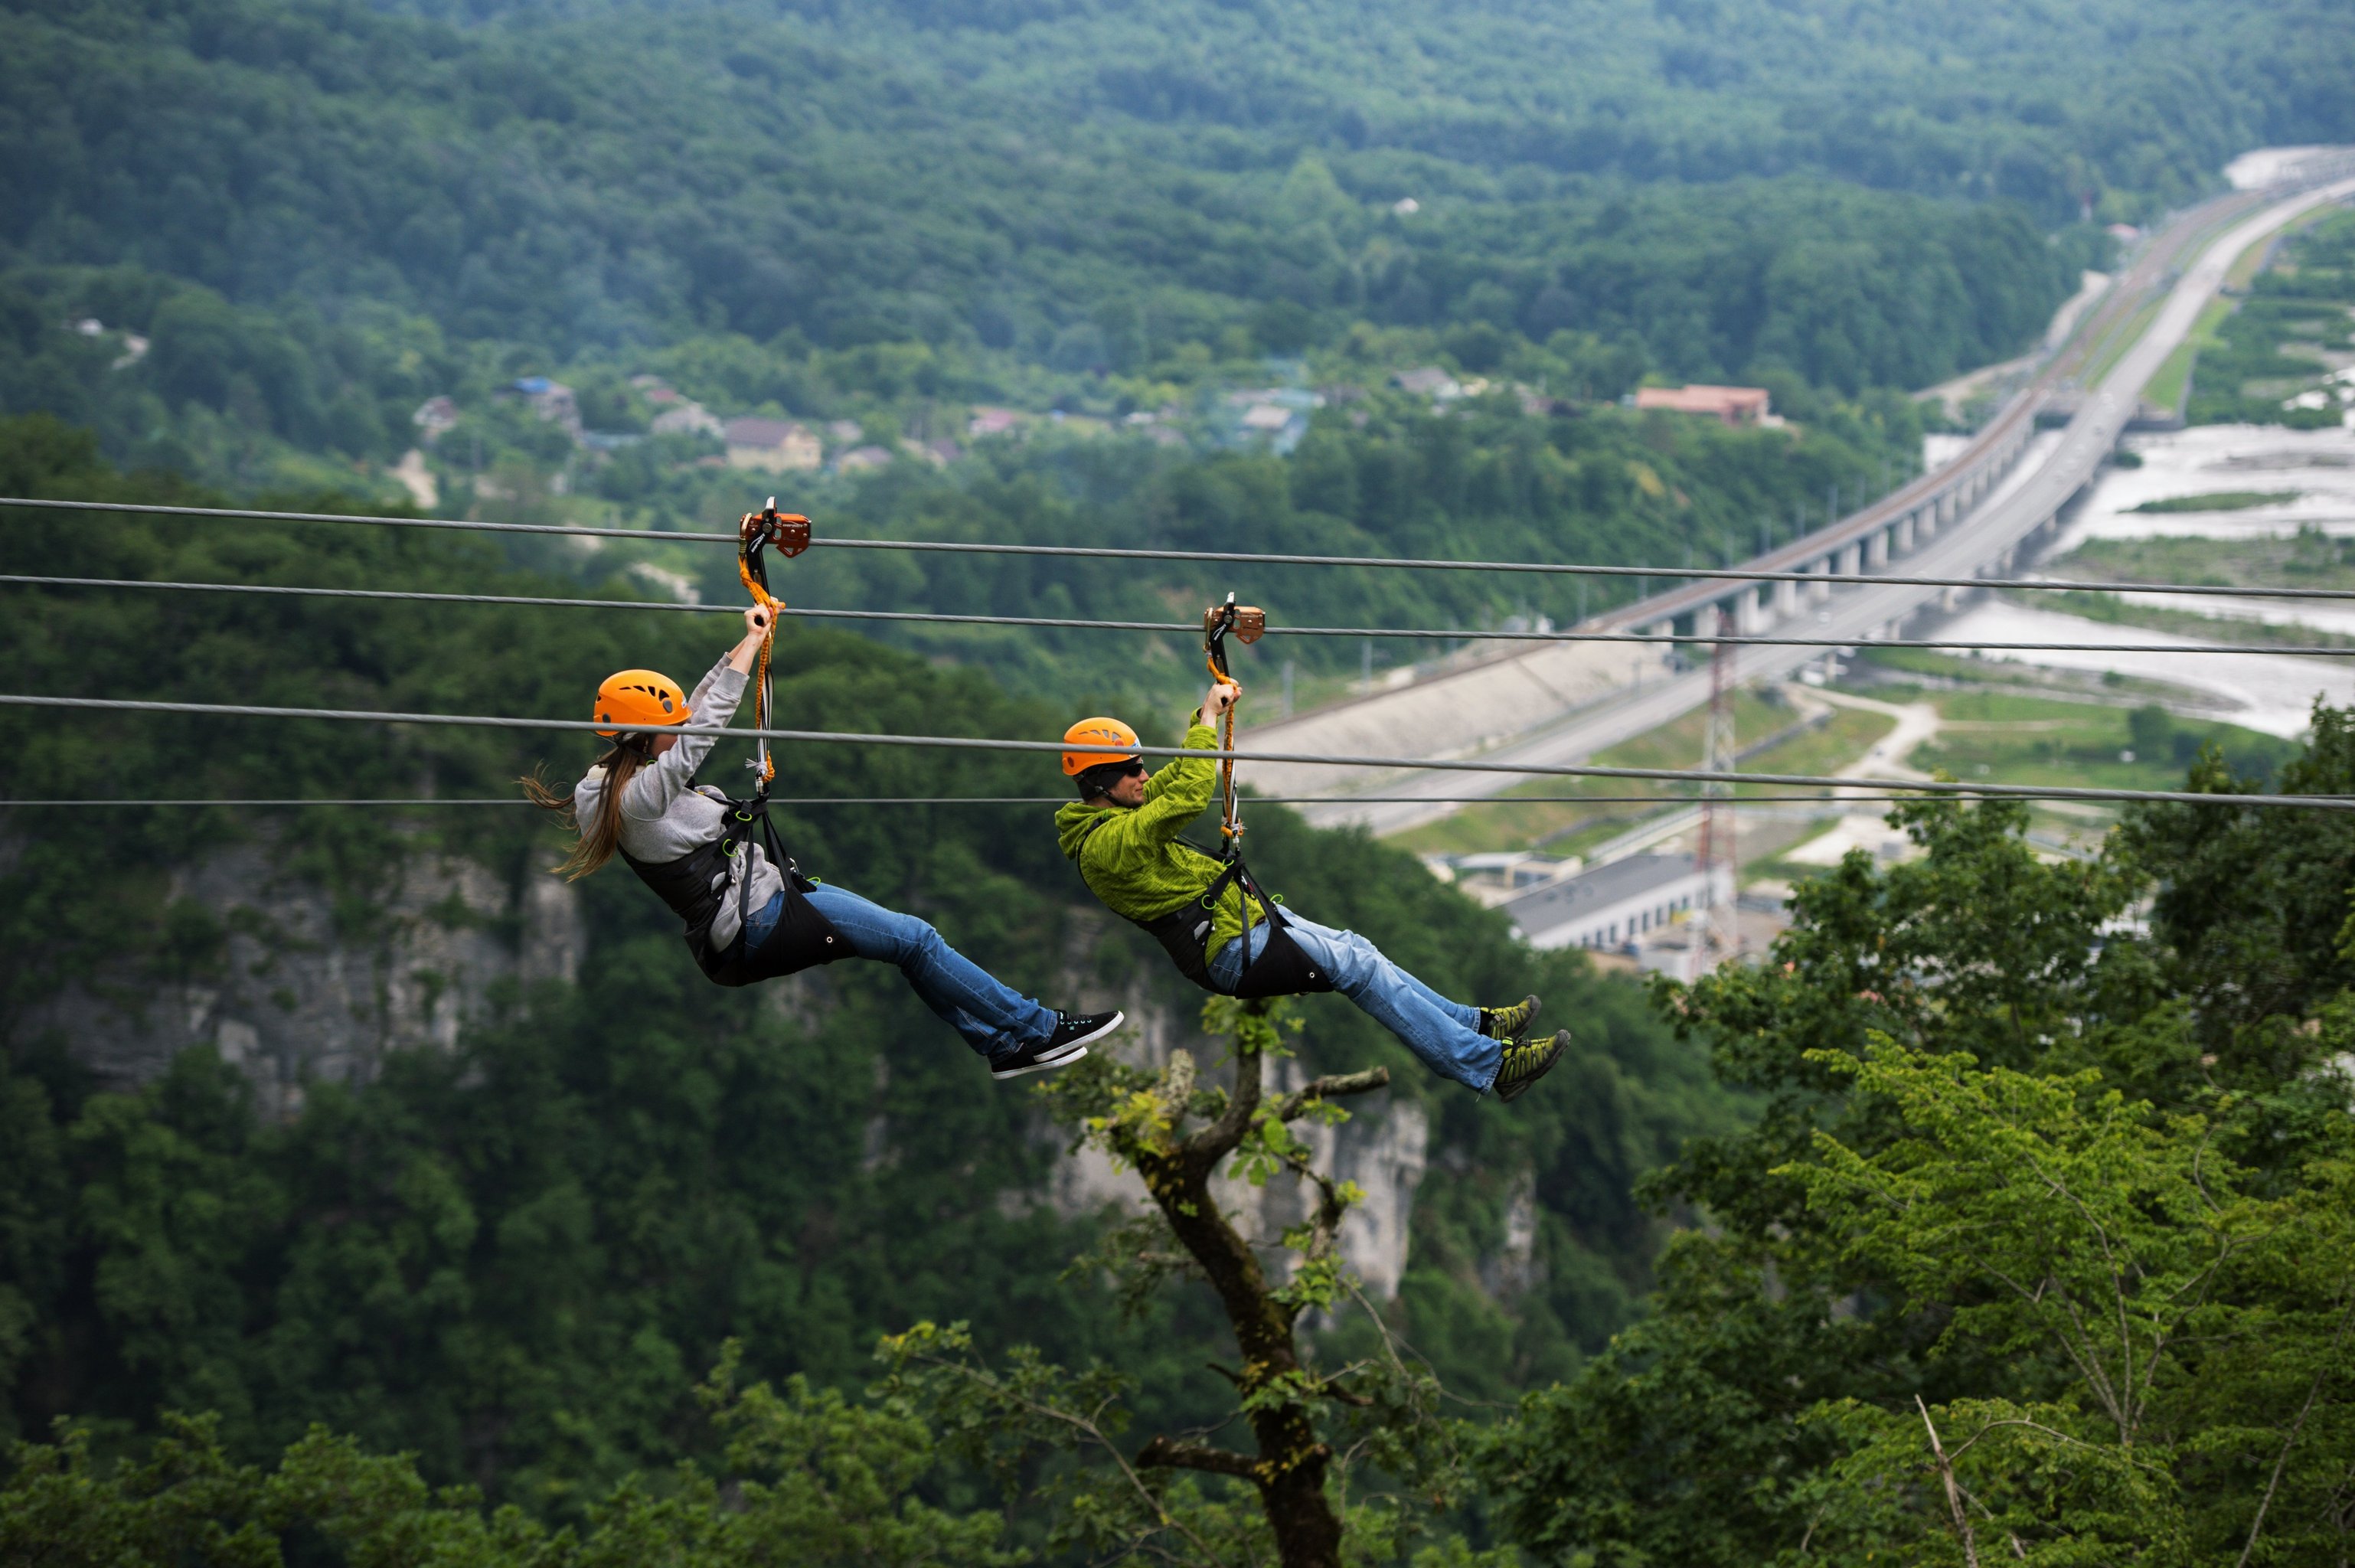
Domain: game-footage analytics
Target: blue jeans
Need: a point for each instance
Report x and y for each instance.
(1445, 1034)
(994, 1021)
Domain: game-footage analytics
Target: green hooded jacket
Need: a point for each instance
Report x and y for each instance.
(1134, 861)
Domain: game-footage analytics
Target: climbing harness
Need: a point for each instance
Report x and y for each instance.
(1281, 969)
(697, 884)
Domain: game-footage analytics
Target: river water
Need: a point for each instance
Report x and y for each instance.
(2319, 464)
(2271, 692)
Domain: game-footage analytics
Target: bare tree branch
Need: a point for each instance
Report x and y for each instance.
(1088, 1429)
(1215, 1142)
(2330, 1364)
(1161, 1454)
(1331, 1087)
(1954, 1491)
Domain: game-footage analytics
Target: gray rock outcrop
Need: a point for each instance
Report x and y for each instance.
(301, 987)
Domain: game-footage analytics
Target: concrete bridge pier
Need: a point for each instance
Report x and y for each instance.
(1877, 548)
(1786, 601)
(1904, 531)
(1819, 591)
(1851, 559)
(1749, 616)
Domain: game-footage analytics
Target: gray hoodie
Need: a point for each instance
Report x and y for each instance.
(664, 816)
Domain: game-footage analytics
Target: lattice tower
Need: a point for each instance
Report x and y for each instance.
(1715, 935)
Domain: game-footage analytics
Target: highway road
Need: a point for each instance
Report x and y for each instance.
(2045, 473)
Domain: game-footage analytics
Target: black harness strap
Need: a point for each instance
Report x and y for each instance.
(695, 884)
(1282, 969)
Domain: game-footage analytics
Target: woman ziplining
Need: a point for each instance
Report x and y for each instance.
(1221, 931)
(751, 914)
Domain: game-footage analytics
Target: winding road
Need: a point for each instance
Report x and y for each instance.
(1559, 704)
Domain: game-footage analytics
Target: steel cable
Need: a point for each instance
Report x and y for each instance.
(1231, 558)
(1741, 800)
(1079, 624)
(983, 743)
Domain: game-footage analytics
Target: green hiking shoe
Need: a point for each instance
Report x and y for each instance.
(1509, 1023)
(1525, 1065)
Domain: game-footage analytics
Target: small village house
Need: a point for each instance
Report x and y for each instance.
(685, 416)
(775, 446)
(1729, 406)
(551, 400)
(434, 417)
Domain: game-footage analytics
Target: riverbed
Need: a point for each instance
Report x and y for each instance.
(2271, 692)
(2319, 465)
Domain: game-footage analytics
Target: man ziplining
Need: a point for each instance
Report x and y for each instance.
(1123, 833)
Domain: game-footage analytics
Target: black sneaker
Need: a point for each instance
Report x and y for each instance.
(1525, 1065)
(1509, 1023)
(1060, 1048)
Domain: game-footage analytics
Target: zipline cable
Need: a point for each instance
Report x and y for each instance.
(1240, 558)
(1067, 622)
(1743, 800)
(983, 743)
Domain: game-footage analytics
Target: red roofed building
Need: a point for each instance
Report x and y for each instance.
(1728, 405)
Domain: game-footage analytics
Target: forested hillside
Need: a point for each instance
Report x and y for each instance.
(515, 1258)
(2036, 1238)
(2002, 1213)
(321, 215)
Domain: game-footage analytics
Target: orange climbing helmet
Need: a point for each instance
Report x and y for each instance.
(1097, 731)
(640, 696)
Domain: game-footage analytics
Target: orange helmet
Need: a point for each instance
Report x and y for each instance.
(640, 696)
(1098, 732)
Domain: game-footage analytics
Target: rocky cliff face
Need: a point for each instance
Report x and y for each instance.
(1383, 1148)
(299, 990)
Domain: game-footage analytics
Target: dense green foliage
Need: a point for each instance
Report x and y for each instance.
(805, 1476)
(2079, 1193)
(512, 1259)
(320, 215)
(884, 178)
(242, 242)
(2042, 1248)
(1024, 174)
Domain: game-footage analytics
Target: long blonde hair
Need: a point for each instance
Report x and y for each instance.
(602, 834)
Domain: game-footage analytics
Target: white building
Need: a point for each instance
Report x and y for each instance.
(1613, 905)
(433, 418)
(1501, 876)
(682, 416)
